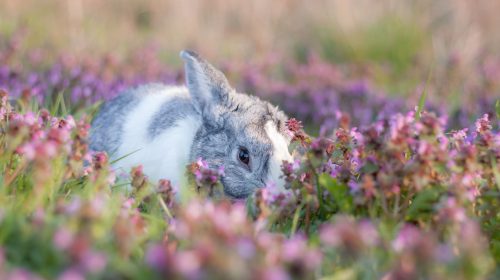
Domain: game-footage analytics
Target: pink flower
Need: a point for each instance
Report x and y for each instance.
(27, 150)
(483, 124)
(275, 273)
(73, 206)
(273, 194)
(220, 170)
(99, 160)
(294, 248)
(312, 258)
(187, 263)
(94, 262)
(356, 136)
(201, 163)
(424, 148)
(289, 168)
(30, 118)
(59, 135)
(460, 134)
(328, 235)
(205, 176)
(452, 211)
(407, 237)
(21, 274)
(2, 257)
(46, 150)
(63, 239)
(368, 232)
(71, 274)
(293, 125)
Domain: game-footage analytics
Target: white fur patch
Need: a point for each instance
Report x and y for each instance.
(165, 156)
(280, 153)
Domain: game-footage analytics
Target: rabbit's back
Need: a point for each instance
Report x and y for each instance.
(151, 125)
(107, 126)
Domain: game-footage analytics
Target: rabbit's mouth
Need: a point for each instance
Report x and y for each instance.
(237, 198)
(236, 192)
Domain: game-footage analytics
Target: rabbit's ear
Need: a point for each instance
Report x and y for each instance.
(207, 85)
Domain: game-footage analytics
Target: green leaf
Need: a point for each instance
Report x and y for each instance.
(341, 274)
(340, 192)
(496, 173)
(423, 203)
(497, 108)
(369, 168)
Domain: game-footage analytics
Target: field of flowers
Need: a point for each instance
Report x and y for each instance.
(386, 187)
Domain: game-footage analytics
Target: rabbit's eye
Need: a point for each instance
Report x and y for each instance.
(244, 155)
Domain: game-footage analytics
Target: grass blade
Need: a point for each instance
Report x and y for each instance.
(122, 157)
(423, 96)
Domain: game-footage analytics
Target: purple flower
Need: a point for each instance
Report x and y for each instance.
(156, 257)
(332, 168)
(71, 274)
(246, 248)
(205, 176)
(354, 187)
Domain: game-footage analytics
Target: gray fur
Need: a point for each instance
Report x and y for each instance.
(106, 129)
(170, 112)
(241, 124)
(200, 75)
(230, 120)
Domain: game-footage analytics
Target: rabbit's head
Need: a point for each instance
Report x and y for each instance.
(245, 135)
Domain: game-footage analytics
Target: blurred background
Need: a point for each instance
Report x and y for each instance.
(392, 31)
(358, 30)
(448, 47)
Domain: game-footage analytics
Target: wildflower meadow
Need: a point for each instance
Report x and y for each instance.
(383, 186)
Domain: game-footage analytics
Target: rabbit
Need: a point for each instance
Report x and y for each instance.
(164, 128)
